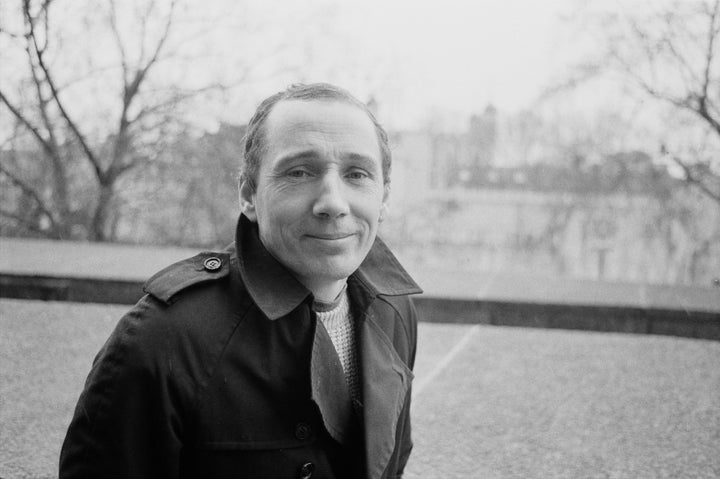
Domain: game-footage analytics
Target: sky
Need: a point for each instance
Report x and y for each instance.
(460, 55)
(422, 61)
(421, 58)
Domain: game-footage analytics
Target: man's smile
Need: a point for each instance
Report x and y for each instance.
(330, 236)
(335, 241)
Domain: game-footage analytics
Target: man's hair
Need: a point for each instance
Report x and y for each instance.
(256, 134)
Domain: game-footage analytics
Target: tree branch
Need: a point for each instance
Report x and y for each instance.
(689, 74)
(29, 191)
(26, 222)
(697, 99)
(175, 99)
(710, 52)
(118, 40)
(673, 32)
(36, 133)
(42, 102)
(646, 46)
(130, 92)
(703, 109)
(56, 97)
(691, 178)
(132, 89)
(691, 103)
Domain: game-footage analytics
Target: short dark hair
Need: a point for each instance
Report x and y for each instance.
(255, 135)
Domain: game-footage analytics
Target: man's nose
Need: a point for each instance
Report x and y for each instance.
(331, 201)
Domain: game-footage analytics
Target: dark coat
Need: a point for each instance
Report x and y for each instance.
(220, 371)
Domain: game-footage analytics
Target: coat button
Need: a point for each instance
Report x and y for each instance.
(306, 471)
(212, 263)
(303, 431)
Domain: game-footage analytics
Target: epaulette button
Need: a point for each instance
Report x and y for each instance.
(213, 263)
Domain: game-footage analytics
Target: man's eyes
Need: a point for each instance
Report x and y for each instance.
(357, 174)
(354, 174)
(298, 173)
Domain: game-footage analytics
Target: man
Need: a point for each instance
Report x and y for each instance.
(288, 355)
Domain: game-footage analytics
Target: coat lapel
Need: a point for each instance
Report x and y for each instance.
(386, 381)
(329, 387)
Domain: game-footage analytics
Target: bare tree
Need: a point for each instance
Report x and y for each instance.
(671, 52)
(85, 160)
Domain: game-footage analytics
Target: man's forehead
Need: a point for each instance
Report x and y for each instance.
(338, 119)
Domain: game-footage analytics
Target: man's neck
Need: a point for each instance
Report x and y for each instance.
(324, 291)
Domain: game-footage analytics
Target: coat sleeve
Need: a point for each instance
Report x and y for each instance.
(126, 422)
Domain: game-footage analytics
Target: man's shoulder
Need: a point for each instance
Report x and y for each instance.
(203, 268)
(189, 302)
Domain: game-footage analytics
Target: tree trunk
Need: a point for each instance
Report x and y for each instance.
(99, 230)
(60, 198)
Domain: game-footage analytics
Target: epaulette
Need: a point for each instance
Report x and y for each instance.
(204, 267)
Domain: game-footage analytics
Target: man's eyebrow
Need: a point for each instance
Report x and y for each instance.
(291, 156)
(366, 161)
(359, 157)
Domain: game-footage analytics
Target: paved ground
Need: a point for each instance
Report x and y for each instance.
(523, 403)
(489, 402)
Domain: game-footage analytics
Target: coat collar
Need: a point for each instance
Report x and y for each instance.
(276, 291)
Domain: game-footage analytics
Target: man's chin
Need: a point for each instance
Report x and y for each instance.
(336, 270)
(331, 247)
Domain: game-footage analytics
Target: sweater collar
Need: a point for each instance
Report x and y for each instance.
(276, 291)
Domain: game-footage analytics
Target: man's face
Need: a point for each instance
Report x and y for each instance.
(319, 191)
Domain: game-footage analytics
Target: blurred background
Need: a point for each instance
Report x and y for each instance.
(562, 138)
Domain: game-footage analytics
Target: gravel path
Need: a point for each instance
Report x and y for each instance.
(492, 402)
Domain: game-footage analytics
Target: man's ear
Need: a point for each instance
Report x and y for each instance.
(383, 212)
(247, 201)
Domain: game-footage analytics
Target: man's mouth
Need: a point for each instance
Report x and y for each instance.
(330, 236)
